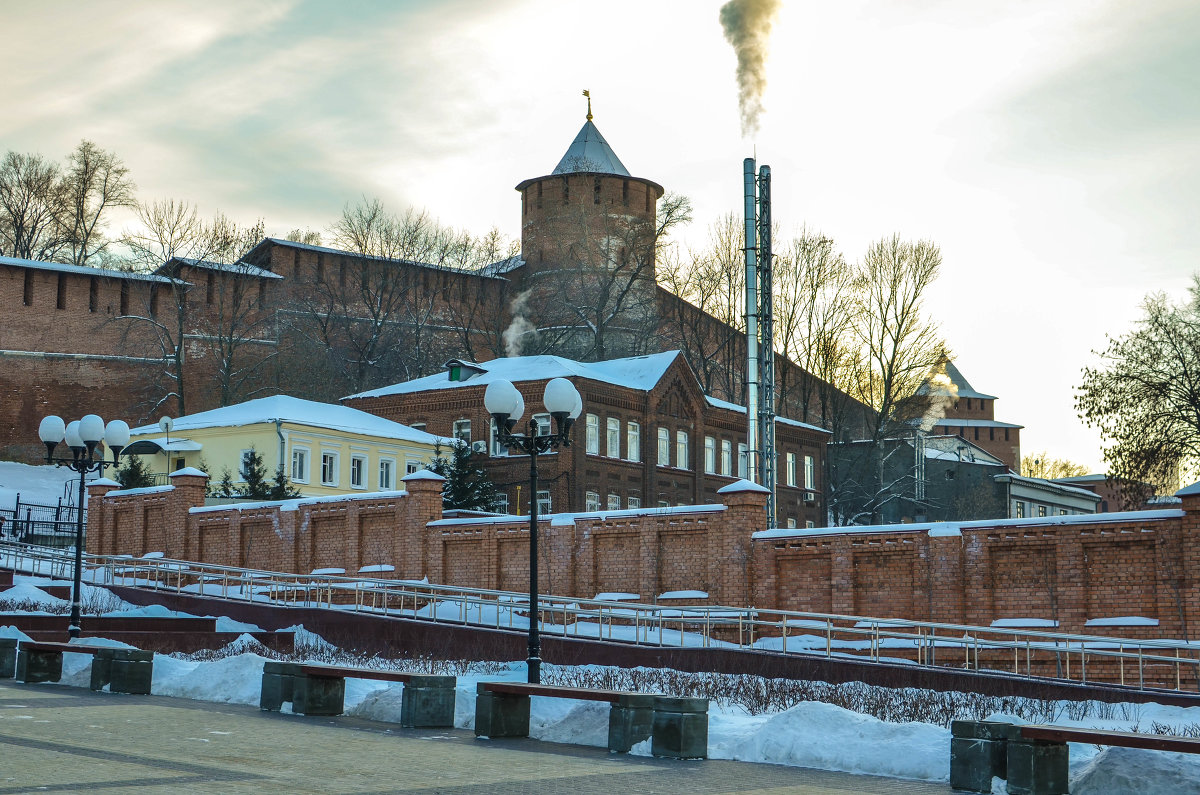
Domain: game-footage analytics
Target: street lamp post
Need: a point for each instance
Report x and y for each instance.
(505, 404)
(82, 437)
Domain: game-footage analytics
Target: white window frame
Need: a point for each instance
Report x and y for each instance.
(791, 523)
(664, 446)
(462, 430)
(710, 455)
(743, 455)
(591, 501)
(810, 473)
(544, 504)
(300, 475)
(412, 465)
(612, 437)
(501, 505)
(390, 465)
(361, 460)
(791, 471)
(592, 435)
(242, 463)
(336, 458)
(681, 449)
(614, 502)
(544, 421)
(497, 450)
(726, 457)
(633, 502)
(633, 441)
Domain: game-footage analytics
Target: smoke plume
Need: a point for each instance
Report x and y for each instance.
(747, 25)
(519, 327)
(942, 394)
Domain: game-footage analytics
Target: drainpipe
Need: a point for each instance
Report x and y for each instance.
(282, 442)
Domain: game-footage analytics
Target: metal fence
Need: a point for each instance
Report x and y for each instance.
(1144, 663)
(39, 523)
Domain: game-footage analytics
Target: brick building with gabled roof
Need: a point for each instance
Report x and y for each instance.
(648, 436)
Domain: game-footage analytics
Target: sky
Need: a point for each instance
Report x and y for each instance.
(1048, 148)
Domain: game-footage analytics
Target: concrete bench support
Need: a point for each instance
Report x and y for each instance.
(277, 682)
(630, 721)
(318, 695)
(38, 666)
(132, 671)
(978, 753)
(680, 728)
(428, 702)
(1037, 767)
(8, 658)
(500, 714)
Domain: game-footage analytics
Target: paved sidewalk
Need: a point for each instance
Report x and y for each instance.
(67, 739)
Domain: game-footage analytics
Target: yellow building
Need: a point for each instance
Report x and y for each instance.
(326, 449)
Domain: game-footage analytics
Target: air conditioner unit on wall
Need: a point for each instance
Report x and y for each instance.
(479, 447)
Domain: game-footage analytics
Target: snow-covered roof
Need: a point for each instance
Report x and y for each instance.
(590, 153)
(160, 444)
(1093, 478)
(741, 485)
(242, 268)
(506, 265)
(634, 372)
(300, 412)
(724, 404)
(83, 270)
(1048, 485)
(1189, 491)
(276, 241)
(950, 422)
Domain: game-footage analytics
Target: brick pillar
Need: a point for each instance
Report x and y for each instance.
(1071, 584)
(1189, 544)
(422, 506)
(729, 563)
(841, 577)
(190, 484)
(947, 587)
(978, 599)
(99, 526)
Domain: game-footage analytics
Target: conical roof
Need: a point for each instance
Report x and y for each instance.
(590, 153)
(962, 387)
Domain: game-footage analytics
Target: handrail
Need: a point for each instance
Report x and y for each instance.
(831, 635)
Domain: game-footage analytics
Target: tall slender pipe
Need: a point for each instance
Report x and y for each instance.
(752, 374)
(766, 322)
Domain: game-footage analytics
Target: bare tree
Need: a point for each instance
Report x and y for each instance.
(599, 300)
(1042, 465)
(31, 207)
(379, 313)
(94, 182)
(172, 234)
(1144, 397)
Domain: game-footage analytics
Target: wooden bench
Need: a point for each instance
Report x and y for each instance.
(426, 702)
(1034, 758)
(122, 670)
(677, 727)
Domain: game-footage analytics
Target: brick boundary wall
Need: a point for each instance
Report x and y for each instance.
(1072, 570)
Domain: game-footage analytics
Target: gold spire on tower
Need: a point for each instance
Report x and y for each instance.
(587, 94)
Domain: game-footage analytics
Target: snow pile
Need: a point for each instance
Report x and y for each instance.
(824, 736)
(28, 593)
(9, 631)
(226, 624)
(230, 680)
(43, 485)
(1117, 771)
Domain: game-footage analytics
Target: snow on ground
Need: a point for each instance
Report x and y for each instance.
(809, 734)
(38, 484)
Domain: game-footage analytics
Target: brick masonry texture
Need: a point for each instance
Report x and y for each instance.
(1069, 573)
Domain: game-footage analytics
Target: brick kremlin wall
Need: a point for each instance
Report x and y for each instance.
(1072, 570)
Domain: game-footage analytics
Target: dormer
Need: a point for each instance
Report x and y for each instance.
(460, 370)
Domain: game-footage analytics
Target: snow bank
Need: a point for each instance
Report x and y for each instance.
(231, 680)
(1117, 771)
(828, 737)
(226, 624)
(38, 484)
(27, 592)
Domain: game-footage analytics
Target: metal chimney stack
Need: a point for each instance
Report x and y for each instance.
(760, 348)
(752, 366)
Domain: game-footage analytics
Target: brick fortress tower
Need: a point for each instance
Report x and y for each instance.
(588, 239)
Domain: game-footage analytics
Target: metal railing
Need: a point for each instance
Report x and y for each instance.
(1055, 656)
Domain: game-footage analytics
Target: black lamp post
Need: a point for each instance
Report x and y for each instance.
(82, 437)
(506, 406)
